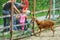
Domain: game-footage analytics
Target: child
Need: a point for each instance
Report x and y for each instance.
(26, 6)
(25, 9)
(22, 17)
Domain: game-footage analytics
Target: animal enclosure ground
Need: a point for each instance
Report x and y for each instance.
(46, 35)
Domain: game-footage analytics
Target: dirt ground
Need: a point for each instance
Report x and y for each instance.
(46, 35)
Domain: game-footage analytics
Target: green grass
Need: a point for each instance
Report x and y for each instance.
(1, 21)
(41, 14)
(1, 38)
(7, 36)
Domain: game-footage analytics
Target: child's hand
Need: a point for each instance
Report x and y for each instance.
(27, 16)
(17, 16)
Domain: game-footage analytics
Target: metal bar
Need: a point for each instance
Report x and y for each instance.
(35, 12)
(16, 25)
(54, 9)
(46, 10)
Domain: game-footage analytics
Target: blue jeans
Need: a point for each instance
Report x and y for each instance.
(14, 23)
(7, 20)
(19, 27)
(17, 22)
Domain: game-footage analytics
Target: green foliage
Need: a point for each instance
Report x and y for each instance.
(1, 3)
(7, 36)
(40, 5)
(57, 2)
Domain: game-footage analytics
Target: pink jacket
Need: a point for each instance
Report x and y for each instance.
(22, 18)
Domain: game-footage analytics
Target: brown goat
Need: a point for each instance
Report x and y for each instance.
(45, 24)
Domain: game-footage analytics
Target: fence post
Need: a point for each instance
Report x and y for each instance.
(50, 9)
(11, 19)
(34, 4)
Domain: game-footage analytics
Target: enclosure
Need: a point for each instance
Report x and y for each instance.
(42, 10)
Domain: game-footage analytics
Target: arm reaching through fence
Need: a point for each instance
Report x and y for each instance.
(16, 9)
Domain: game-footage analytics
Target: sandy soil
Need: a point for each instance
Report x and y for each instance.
(46, 35)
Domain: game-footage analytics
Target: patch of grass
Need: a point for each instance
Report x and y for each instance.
(1, 38)
(41, 14)
(7, 35)
(1, 21)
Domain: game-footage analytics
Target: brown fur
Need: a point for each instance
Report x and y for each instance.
(45, 24)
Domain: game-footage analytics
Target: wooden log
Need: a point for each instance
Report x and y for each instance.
(11, 19)
(49, 10)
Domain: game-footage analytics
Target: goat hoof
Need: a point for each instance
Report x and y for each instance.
(52, 35)
(37, 35)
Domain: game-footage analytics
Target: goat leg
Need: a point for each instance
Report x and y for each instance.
(53, 30)
(40, 32)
